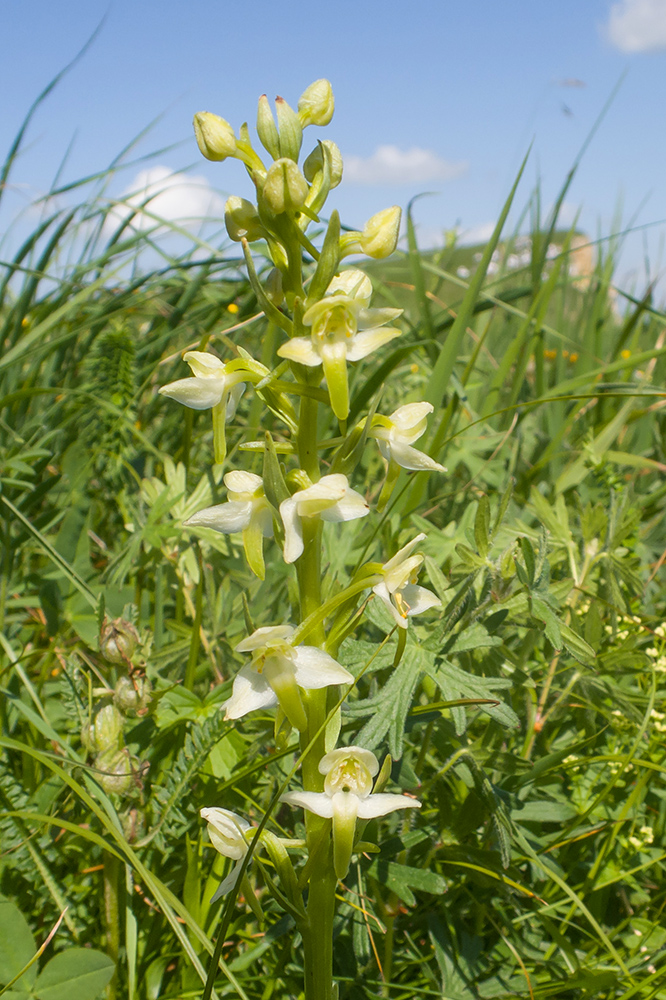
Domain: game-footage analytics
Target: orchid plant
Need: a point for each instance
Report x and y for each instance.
(323, 310)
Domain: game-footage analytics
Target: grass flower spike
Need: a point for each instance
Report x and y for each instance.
(347, 796)
(277, 671)
(247, 510)
(395, 435)
(399, 590)
(343, 329)
(331, 498)
(227, 835)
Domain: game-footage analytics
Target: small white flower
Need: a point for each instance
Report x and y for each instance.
(396, 434)
(247, 510)
(399, 590)
(347, 796)
(331, 498)
(277, 671)
(227, 835)
(343, 329)
(212, 383)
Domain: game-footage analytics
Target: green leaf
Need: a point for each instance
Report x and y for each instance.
(545, 614)
(401, 879)
(77, 972)
(17, 945)
(455, 683)
(274, 484)
(576, 645)
(482, 526)
(390, 707)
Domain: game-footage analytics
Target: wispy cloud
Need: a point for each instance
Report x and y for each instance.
(162, 194)
(637, 25)
(392, 165)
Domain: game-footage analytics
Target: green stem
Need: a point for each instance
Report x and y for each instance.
(307, 437)
(318, 939)
(112, 867)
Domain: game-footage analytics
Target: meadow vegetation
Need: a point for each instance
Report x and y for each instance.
(528, 713)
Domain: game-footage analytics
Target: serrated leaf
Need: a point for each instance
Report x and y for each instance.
(529, 559)
(545, 614)
(455, 682)
(577, 646)
(401, 879)
(476, 636)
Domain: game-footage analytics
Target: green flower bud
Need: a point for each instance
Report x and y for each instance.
(116, 771)
(132, 694)
(118, 641)
(316, 104)
(215, 136)
(380, 233)
(273, 287)
(285, 188)
(266, 128)
(106, 731)
(314, 162)
(290, 129)
(242, 220)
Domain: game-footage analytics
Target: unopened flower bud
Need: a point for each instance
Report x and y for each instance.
(132, 694)
(285, 188)
(316, 104)
(242, 220)
(115, 771)
(290, 129)
(380, 233)
(215, 136)
(266, 128)
(273, 287)
(118, 641)
(314, 163)
(106, 731)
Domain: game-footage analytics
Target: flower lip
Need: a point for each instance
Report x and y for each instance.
(349, 770)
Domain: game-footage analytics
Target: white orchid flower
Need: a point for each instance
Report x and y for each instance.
(398, 589)
(215, 385)
(277, 671)
(227, 835)
(396, 433)
(331, 499)
(343, 329)
(347, 796)
(247, 510)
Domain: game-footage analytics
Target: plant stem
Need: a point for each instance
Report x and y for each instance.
(112, 917)
(319, 938)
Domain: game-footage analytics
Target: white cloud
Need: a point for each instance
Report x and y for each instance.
(637, 25)
(392, 165)
(477, 234)
(182, 199)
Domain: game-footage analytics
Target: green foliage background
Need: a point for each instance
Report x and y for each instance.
(528, 715)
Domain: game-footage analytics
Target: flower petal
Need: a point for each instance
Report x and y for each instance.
(411, 458)
(239, 481)
(410, 420)
(365, 757)
(418, 599)
(402, 553)
(204, 364)
(348, 508)
(316, 802)
(383, 803)
(364, 343)
(264, 636)
(235, 394)
(300, 349)
(334, 360)
(293, 531)
(381, 590)
(226, 517)
(316, 669)
(370, 318)
(197, 393)
(228, 883)
(352, 282)
(250, 691)
(345, 810)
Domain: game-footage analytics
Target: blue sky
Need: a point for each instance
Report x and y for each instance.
(440, 96)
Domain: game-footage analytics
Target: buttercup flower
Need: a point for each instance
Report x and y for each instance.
(399, 591)
(331, 499)
(247, 510)
(277, 671)
(395, 435)
(215, 385)
(343, 329)
(227, 835)
(347, 796)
